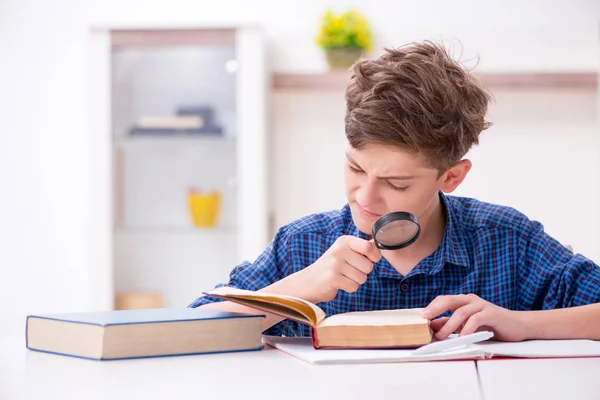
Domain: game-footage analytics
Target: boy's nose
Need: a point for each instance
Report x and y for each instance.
(367, 195)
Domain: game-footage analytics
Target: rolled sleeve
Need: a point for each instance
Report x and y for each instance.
(577, 285)
(553, 277)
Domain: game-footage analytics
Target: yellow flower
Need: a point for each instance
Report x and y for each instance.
(347, 30)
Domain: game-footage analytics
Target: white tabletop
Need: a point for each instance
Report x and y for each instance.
(266, 374)
(568, 378)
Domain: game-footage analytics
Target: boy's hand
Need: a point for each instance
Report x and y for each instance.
(344, 265)
(471, 314)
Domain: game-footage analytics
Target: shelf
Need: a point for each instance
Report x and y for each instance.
(566, 80)
(314, 81)
(172, 37)
(175, 231)
(338, 80)
(174, 138)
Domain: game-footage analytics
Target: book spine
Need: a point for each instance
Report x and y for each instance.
(313, 335)
(27, 332)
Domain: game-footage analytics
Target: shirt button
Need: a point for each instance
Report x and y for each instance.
(404, 287)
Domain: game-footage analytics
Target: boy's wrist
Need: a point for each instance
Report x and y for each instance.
(540, 324)
(527, 321)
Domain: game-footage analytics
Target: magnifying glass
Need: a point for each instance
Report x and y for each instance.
(396, 230)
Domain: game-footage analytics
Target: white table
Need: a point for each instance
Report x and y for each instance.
(546, 379)
(267, 374)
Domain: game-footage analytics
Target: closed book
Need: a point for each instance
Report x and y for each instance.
(123, 334)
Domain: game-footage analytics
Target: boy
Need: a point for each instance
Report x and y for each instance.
(411, 116)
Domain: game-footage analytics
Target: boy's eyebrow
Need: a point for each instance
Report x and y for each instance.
(404, 177)
(351, 160)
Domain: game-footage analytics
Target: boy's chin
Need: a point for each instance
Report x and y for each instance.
(363, 226)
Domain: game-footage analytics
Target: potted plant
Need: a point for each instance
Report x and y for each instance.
(344, 38)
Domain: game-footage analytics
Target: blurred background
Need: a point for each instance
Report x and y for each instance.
(150, 146)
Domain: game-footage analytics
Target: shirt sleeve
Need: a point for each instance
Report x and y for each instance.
(551, 276)
(269, 267)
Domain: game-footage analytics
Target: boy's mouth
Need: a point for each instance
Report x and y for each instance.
(366, 213)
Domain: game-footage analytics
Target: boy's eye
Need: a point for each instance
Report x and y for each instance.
(397, 188)
(353, 169)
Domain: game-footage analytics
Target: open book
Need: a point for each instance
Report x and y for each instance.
(360, 329)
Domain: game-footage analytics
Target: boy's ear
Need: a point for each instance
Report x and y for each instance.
(455, 175)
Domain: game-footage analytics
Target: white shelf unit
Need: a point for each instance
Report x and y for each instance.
(143, 237)
(152, 176)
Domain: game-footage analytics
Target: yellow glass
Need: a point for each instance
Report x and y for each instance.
(204, 208)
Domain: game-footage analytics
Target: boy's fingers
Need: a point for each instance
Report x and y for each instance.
(360, 262)
(441, 304)
(365, 247)
(458, 318)
(348, 285)
(355, 274)
(437, 324)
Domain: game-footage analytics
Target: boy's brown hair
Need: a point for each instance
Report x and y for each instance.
(419, 99)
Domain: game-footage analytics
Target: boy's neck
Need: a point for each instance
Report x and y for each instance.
(433, 226)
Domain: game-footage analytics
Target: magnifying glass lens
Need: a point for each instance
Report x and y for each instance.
(396, 230)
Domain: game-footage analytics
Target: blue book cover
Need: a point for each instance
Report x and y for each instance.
(153, 333)
(153, 315)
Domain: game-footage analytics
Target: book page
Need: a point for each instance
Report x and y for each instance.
(376, 318)
(288, 306)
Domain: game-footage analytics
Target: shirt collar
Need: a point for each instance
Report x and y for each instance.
(453, 248)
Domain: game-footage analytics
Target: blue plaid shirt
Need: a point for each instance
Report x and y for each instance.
(492, 251)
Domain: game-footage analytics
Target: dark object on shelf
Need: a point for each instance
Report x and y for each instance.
(206, 112)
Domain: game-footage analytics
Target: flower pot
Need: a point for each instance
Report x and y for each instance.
(342, 58)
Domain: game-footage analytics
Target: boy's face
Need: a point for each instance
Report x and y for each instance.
(380, 180)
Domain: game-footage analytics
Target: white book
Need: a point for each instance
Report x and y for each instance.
(303, 349)
(170, 122)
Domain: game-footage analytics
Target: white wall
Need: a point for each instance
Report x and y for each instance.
(507, 34)
(543, 158)
(44, 202)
